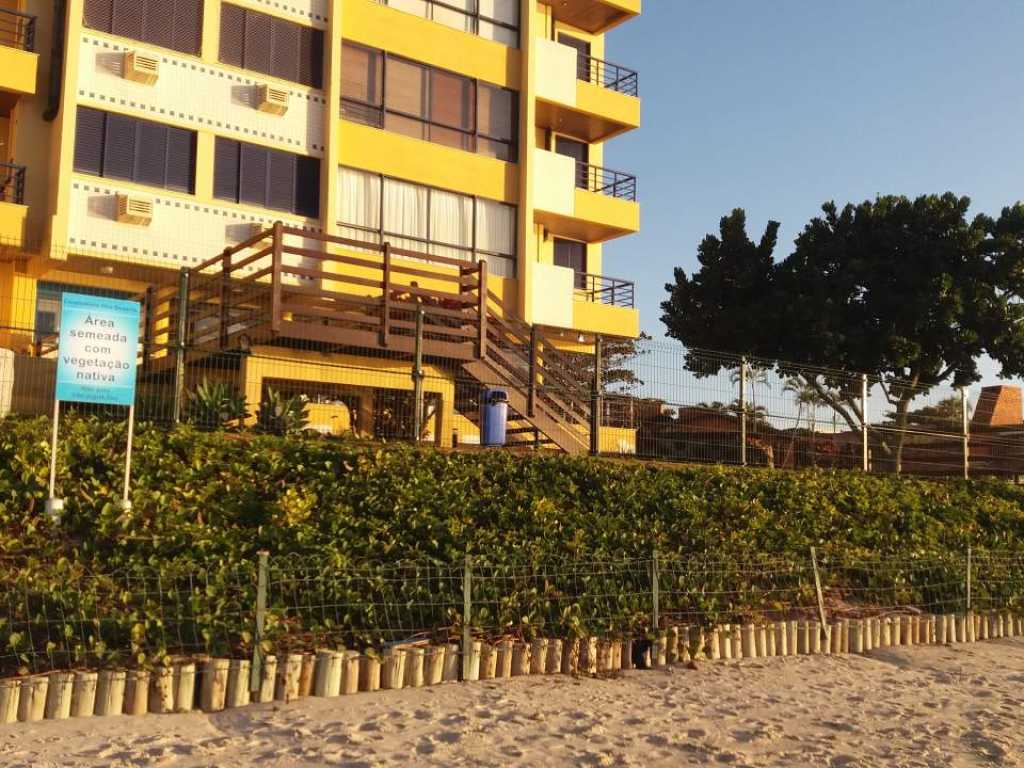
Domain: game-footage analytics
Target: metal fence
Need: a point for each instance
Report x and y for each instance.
(351, 357)
(58, 615)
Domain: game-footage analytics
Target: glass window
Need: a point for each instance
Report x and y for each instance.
(406, 88)
(451, 224)
(406, 214)
(359, 199)
(361, 74)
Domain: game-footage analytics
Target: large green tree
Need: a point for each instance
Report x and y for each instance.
(910, 292)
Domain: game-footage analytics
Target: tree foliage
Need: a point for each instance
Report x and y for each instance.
(910, 292)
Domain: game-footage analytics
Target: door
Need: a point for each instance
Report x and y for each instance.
(573, 254)
(578, 151)
(582, 55)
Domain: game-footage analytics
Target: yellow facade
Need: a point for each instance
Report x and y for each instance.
(64, 227)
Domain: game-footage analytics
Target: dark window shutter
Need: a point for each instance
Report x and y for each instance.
(98, 14)
(284, 50)
(129, 19)
(257, 42)
(232, 34)
(307, 186)
(150, 154)
(252, 175)
(188, 26)
(181, 160)
(225, 169)
(311, 57)
(159, 22)
(89, 140)
(281, 181)
(119, 147)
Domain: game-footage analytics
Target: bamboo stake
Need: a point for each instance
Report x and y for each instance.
(161, 695)
(136, 692)
(110, 693)
(238, 694)
(10, 690)
(58, 696)
(414, 665)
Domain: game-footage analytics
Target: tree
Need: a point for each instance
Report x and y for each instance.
(908, 292)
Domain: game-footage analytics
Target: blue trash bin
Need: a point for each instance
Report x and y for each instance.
(493, 416)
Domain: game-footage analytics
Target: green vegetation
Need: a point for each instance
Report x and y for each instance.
(204, 504)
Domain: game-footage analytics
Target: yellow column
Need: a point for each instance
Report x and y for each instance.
(211, 31)
(527, 239)
(332, 109)
(63, 137)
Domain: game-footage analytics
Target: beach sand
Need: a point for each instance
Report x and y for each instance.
(934, 706)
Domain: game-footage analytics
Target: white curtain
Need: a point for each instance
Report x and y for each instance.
(451, 224)
(495, 233)
(419, 7)
(405, 213)
(504, 11)
(359, 204)
(461, 19)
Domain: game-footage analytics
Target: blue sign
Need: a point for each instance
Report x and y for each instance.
(99, 341)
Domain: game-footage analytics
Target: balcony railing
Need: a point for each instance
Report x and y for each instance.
(598, 289)
(607, 75)
(605, 181)
(12, 183)
(17, 30)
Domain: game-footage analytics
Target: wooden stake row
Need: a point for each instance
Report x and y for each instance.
(212, 685)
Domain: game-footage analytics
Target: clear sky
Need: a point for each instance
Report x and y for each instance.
(776, 106)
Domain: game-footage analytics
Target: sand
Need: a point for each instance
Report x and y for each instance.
(931, 706)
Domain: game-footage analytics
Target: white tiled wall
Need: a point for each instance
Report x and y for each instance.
(194, 95)
(182, 233)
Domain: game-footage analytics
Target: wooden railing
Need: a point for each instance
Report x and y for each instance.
(287, 283)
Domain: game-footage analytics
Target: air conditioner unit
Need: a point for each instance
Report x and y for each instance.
(271, 99)
(141, 67)
(132, 209)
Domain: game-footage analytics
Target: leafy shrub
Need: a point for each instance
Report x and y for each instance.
(281, 414)
(215, 404)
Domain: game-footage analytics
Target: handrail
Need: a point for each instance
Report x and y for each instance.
(605, 181)
(17, 29)
(600, 289)
(605, 74)
(12, 183)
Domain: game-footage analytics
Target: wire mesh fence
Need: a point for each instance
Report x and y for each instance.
(348, 356)
(64, 617)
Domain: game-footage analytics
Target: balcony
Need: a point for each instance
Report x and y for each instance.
(18, 60)
(593, 16)
(13, 210)
(583, 96)
(583, 202)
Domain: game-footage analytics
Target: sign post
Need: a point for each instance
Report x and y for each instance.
(96, 361)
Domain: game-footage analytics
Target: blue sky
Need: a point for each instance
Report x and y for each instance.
(778, 106)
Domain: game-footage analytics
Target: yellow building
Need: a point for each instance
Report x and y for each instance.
(285, 185)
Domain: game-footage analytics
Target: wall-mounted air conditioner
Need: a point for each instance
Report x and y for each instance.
(134, 209)
(141, 67)
(271, 100)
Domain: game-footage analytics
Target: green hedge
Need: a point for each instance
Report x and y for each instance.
(206, 502)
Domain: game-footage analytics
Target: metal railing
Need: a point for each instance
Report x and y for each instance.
(17, 30)
(605, 181)
(605, 74)
(12, 183)
(599, 289)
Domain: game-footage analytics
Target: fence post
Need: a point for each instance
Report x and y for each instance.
(417, 376)
(865, 462)
(182, 330)
(467, 612)
(256, 670)
(655, 590)
(968, 579)
(532, 392)
(817, 588)
(385, 286)
(966, 431)
(595, 398)
(743, 411)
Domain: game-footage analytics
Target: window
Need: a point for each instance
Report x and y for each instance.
(426, 103)
(273, 46)
(268, 178)
(175, 24)
(496, 20)
(121, 147)
(571, 254)
(578, 151)
(414, 217)
(582, 55)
